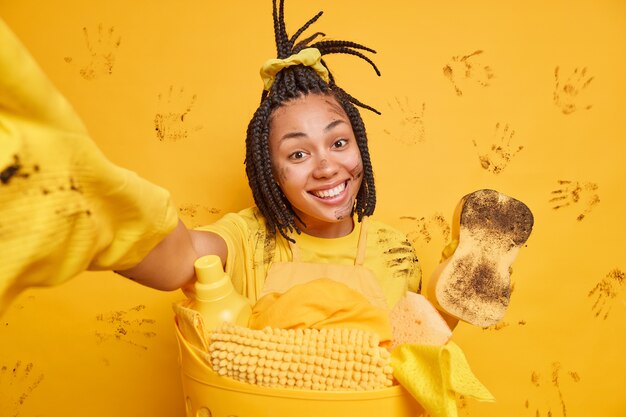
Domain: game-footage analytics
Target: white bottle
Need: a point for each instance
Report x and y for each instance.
(216, 299)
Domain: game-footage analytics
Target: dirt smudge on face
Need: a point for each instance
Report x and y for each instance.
(283, 174)
(336, 108)
(357, 171)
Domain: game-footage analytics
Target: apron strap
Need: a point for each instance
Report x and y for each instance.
(362, 245)
(295, 251)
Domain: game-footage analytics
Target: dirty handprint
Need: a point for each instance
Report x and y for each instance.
(101, 52)
(572, 193)
(17, 383)
(408, 124)
(464, 72)
(606, 292)
(501, 151)
(548, 399)
(170, 122)
(126, 327)
(567, 93)
(424, 228)
(197, 214)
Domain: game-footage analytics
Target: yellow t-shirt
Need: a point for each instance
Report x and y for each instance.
(252, 250)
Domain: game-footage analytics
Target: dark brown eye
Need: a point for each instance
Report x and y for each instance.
(297, 155)
(340, 143)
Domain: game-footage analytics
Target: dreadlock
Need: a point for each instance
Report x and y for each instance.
(289, 84)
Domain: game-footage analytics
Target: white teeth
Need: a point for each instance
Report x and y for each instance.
(332, 192)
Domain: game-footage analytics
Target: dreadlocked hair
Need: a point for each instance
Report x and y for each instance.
(291, 83)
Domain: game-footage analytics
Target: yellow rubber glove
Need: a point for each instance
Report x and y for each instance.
(64, 207)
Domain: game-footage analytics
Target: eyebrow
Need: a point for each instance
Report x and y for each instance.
(330, 126)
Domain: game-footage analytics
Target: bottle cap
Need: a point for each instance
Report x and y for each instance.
(209, 269)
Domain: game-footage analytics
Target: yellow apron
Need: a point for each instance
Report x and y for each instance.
(282, 276)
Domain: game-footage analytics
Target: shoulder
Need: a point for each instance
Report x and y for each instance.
(240, 230)
(390, 241)
(385, 234)
(246, 235)
(251, 215)
(247, 220)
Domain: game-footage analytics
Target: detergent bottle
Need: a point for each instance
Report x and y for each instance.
(216, 299)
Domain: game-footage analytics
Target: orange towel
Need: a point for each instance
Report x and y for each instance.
(318, 304)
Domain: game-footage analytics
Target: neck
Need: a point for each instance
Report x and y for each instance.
(328, 230)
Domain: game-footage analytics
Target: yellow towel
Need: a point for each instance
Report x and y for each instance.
(435, 374)
(318, 304)
(191, 325)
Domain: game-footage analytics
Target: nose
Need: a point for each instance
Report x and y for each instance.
(325, 167)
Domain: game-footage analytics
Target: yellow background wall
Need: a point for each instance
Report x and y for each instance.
(525, 97)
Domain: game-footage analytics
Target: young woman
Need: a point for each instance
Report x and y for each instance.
(308, 166)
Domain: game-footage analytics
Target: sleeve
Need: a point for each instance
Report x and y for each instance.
(64, 207)
(235, 231)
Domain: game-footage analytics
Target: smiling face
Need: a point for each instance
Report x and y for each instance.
(317, 163)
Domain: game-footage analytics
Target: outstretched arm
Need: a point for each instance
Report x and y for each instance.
(169, 265)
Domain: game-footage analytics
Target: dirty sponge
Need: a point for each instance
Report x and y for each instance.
(473, 285)
(415, 320)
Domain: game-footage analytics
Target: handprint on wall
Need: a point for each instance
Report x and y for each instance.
(102, 52)
(423, 229)
(501, 151)
(464, 72)
(605, 293)
(126, 327)
(567, 92)
(548, 399)
(504, 324)
(169, 122)
(574, 193)
(196, 214)
(408, 124)
(17, 383)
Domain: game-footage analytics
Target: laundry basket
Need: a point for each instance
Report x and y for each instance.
(209, 395)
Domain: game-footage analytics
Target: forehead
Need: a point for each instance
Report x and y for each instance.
(305, 110)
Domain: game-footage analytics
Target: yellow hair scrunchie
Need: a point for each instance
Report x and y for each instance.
(310, 57)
